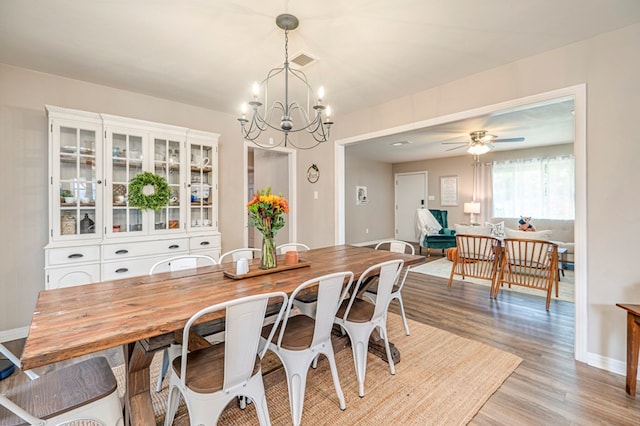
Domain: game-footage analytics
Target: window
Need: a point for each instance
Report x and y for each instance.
(537, 187)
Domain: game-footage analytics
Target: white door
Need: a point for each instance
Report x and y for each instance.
(411, 194)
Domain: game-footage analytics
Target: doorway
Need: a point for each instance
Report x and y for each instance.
(410, 195)
(578, 93)
(276, 169)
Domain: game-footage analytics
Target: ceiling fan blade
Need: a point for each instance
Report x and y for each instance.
(456, 147)
(508, 140)
(454, 143)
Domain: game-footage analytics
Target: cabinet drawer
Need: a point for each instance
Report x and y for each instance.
(204, 243)
(71, 255)
(145, 248)
(128, 268)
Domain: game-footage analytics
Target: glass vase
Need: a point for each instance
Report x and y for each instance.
(268, 259)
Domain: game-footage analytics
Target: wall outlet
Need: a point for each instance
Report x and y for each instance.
(366, 230)
(432, 197)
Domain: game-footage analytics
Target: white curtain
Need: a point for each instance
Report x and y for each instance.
(482, 190)
(538, 187)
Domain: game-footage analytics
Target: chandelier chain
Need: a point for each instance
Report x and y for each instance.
(286, 46)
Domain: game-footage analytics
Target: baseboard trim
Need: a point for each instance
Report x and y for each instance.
(609, 364)
(13, 334)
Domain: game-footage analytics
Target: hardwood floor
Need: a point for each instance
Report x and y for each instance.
(549, 387)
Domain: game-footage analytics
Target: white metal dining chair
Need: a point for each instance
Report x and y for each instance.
(359, 317)
(176, 263)
(283, 248)
(208, 379)
(84, 391)
(395, 246)
(307, 304)
(240, 253)
(302, 339)
(16, 361)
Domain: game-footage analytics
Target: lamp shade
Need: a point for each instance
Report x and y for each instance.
(472, 207)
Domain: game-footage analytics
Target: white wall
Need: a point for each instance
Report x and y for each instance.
(377, 216)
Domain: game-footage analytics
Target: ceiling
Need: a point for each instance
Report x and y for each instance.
(540, 124)
(208, 53)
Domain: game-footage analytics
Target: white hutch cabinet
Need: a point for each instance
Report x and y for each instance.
(95, 235)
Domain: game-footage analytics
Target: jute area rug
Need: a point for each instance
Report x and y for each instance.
(442, 379)
(442, 268)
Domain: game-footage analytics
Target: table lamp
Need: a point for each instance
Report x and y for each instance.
(472, 208)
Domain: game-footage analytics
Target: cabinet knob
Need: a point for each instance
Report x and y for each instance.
(205, 243)
(75, 255)
(174, 246)
(122, 270)
(99, 182)
(123, 251)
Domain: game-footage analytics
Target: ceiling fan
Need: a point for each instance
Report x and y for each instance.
(481, 142)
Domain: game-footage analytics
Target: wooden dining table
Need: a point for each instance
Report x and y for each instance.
(147, 313)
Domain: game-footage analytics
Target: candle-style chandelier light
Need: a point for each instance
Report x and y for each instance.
(288, 116)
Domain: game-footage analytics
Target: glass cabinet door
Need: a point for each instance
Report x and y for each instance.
(79, 189)
(167, 159)
(202, 185)
(126, 161)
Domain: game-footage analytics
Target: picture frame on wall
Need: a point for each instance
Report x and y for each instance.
(448, 191)
(361, 195)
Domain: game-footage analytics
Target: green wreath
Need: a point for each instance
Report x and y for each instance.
(148, 191)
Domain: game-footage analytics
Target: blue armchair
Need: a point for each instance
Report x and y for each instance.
(445, 238)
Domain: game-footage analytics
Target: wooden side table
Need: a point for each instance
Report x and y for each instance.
(633, 345)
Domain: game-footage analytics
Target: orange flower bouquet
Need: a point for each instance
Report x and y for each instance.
(265, 213)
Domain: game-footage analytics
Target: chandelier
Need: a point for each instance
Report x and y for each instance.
(288, 116)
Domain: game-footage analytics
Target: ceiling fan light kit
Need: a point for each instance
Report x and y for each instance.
(482, 142)
(479, 148)
(289, 115)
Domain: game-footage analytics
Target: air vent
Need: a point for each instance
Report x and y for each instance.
(302, 60)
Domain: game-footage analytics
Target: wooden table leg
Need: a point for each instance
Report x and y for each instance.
(138, 406)
(633, 347)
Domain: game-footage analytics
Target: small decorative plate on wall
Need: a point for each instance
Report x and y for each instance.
(313, 173)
